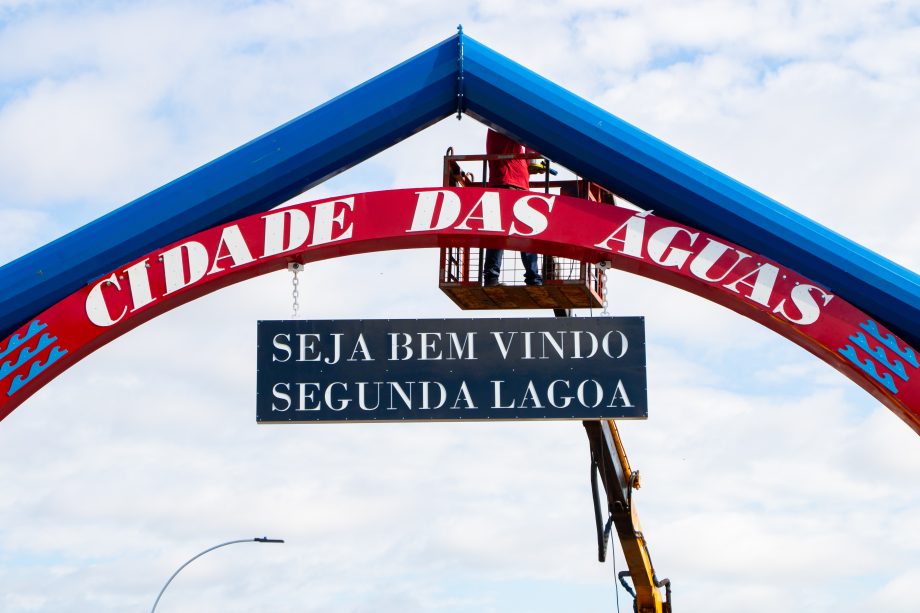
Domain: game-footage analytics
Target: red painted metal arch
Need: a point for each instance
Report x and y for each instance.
(639, 242)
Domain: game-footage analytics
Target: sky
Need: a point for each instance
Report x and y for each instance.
(770, 482)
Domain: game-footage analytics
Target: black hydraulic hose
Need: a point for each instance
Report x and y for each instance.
(666, 584)
(622, 577)
(598, 520)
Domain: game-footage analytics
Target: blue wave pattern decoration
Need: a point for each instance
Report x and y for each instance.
(16, 341)
(881, 356)
(28, 353)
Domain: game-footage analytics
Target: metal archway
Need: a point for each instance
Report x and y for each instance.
(460, 75)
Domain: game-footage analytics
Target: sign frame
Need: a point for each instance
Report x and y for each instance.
(457, 369)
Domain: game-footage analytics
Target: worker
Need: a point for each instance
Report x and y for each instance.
(508, 174)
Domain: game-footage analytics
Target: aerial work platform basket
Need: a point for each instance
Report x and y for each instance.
(567, 284)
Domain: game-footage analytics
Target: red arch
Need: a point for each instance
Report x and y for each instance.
(638, 242)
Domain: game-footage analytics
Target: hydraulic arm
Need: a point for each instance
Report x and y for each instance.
(609, 461)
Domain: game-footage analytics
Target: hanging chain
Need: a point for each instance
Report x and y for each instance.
(295, 267)
(604, 312)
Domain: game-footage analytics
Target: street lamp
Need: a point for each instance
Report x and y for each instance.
(255, 540)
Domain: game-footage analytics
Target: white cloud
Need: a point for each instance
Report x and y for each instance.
(895, 594)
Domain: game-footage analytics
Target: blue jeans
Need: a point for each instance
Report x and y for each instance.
(492, 267)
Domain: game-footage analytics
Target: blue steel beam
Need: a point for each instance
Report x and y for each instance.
(652, 174)
(257, 176)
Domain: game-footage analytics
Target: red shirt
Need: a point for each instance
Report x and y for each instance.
(506, 172)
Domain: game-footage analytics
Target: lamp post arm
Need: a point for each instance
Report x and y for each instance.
(255, 540)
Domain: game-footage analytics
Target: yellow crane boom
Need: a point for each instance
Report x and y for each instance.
(609, 461)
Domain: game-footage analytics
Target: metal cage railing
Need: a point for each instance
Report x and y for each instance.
(566, 283)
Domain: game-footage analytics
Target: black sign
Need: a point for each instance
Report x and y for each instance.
(446, 369)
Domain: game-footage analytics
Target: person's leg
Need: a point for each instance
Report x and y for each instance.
(531, 269)
(492, 266)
